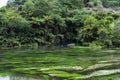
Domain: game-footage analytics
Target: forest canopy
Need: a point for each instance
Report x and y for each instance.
(59, 22)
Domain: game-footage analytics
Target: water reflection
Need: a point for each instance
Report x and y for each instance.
(32, 78)
(27, 77)
(5, 78)
(20, 78)
(24, 78)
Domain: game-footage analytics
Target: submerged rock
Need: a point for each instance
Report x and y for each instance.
(64, 68)
(61, 74)
(109, 51)
(71, 45)
(117, 79)
(99, 73)
(110, 61)
(100, 66)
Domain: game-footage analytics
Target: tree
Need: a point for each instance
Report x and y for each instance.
(27, 9)
(96, 29)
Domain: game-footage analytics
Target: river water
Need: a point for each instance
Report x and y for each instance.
(60, 64)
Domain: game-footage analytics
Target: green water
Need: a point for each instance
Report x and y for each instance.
(60, 64)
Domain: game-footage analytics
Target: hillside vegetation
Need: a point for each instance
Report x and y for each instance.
(59, 22)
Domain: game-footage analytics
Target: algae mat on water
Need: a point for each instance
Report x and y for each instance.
(60, 64)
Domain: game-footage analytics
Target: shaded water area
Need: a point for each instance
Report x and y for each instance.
(79, 63)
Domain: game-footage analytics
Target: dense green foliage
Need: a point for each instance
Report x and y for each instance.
(111, 3)
(44, 22)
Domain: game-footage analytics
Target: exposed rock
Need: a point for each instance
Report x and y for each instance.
(100, 4)
(99, 8)
(90, 4)
(109, 10)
